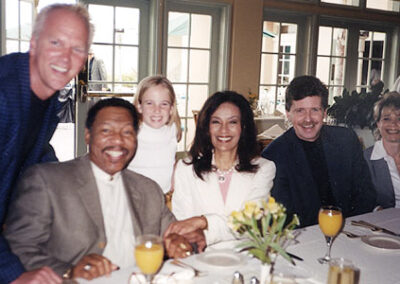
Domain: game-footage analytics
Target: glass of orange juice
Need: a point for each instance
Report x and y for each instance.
(149, 253)
(330, 220)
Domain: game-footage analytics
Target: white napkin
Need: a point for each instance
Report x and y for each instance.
(169, 274)
(271, 133)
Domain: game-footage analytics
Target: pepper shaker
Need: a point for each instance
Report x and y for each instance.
(237, 278)
(254, 280)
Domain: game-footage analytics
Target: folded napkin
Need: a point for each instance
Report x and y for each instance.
(169, 274)
(271, 133)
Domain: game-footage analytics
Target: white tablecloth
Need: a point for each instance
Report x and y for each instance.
(376, 265)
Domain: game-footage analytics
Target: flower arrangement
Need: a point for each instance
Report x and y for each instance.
(263, 226)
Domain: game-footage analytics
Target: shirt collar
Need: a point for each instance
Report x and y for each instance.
(99, 174)
(378, 152)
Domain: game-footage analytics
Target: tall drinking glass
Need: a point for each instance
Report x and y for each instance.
(149, 253)
(330, 220)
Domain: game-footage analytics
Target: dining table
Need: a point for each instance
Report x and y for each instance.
(376, 261)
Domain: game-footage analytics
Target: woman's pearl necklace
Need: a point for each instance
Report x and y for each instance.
(222, 174)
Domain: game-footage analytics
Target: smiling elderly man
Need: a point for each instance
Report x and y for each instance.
(29, 84)
(81, 217)
(318, 164)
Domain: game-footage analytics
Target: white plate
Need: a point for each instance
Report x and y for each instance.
(222, 258)
(382, 241)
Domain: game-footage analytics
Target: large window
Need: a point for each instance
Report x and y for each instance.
(278, 58)
(188, 64)
(115, 49)
(193, 44)
(18, 24)
(371, 46)
(386, 5)
(344, 2)
(331, 59)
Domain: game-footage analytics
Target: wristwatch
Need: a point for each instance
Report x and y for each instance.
(67, 274)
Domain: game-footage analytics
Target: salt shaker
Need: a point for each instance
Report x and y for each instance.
(237, 278)
(254, 280)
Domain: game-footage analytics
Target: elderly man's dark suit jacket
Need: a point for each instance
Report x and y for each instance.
(348, 172)
(382, 180)
(56, 217)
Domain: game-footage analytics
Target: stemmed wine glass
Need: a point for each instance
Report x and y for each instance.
(330, 220)
(149, 253)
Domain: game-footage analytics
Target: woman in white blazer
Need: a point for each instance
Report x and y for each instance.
(223, 169)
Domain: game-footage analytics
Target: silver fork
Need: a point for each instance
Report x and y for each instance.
(182, 264)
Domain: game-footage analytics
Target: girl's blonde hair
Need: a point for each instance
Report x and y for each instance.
(157, 80)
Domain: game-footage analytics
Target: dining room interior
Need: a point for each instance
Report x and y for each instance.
(255, 48)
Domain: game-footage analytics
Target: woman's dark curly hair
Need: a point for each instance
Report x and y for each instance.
(201, 151)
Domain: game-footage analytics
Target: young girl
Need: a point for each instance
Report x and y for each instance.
(160, 130)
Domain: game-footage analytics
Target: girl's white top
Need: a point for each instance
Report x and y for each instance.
(155, 154)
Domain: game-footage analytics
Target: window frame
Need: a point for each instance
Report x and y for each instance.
(219, 54)
(3, 29)
(301, 45)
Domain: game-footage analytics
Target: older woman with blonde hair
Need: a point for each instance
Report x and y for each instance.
(384, 157)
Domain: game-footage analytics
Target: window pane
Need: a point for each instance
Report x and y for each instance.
(200, 35)
(371, 48)
(102, 18)
(191, 129)
(126, 64)
(122, 88)
(177, 64)
(323, 69)
(386, 5)
(269, 68)
(180, 92)
(288, 37)
(104, 52)
(270, 37)
(339, 42)
(199, 66)
(197, 96)
(26, 20)
(343, 2)
(127, 25)
(324, 40)
(362, 72)
(337, 71)
(11, 46)
(24, 46)
(286, 69)
(12, 19)
(280, 103)
(178, 29)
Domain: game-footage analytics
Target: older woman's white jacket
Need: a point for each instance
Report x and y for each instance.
(194, 197)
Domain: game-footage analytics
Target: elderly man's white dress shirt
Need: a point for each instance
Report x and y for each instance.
(117, 218)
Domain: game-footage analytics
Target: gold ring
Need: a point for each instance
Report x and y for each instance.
(182, 246)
